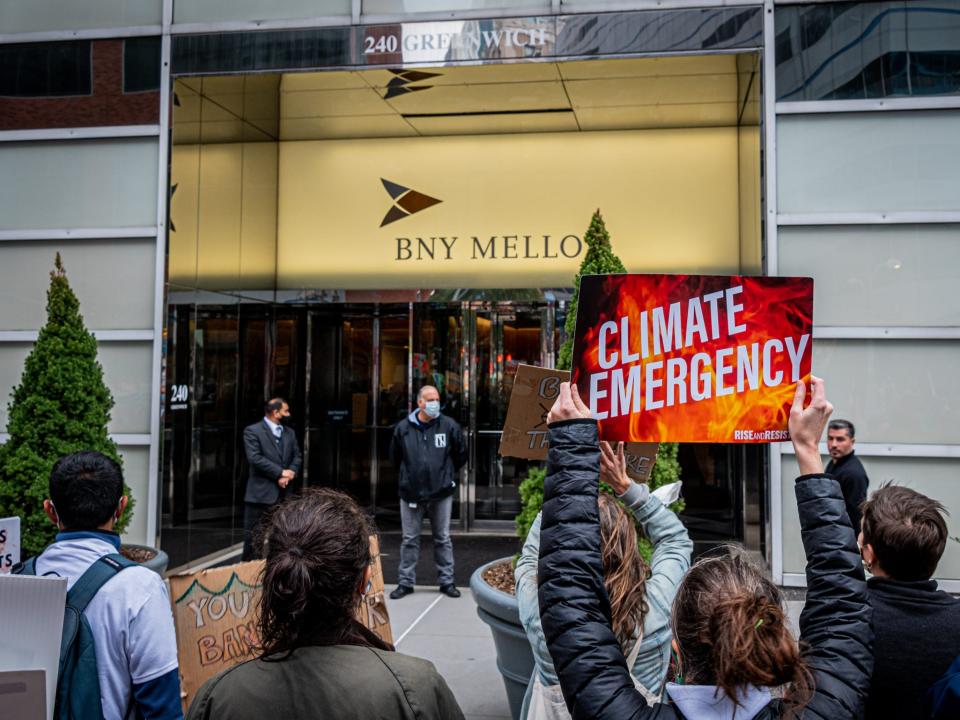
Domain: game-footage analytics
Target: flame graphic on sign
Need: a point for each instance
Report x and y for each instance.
(772, 308)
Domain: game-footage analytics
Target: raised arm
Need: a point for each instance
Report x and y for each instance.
(835, 624)
(528, 604)
(574, 608)
(671, 542)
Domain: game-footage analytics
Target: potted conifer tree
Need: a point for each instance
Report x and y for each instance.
(61, 406)
(496, 602)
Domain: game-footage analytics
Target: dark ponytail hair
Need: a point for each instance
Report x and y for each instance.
(732, 631)
(317, 551)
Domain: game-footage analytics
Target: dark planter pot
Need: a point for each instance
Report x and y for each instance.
(514, 659)
(158, 563)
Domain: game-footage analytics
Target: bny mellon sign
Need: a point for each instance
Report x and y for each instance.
(502, 210)
(464, 211)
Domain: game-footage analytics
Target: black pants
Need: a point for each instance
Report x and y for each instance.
(252, 517)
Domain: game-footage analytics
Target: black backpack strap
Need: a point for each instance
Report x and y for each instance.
(27, 567)
(94, 578)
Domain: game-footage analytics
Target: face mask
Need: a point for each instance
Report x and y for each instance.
(432, 408)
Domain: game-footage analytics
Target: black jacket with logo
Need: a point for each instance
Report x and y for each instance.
(427, 457)
(575, 611)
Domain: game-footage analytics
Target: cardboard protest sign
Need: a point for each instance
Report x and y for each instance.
(32, 625)
(24, 695)
(692, 358)
(9, 543)
(373, 610)
(214, 612)
(525, 429)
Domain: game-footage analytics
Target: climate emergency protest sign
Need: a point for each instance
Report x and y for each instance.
(692, 358)
(535, 389)
(215, 615)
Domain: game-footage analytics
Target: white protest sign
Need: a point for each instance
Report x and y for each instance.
(9, 543)
(32, 624)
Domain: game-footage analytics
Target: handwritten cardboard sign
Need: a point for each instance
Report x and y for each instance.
(692, 358)
(9, 544)
(32, 625)
(215, 613)
(525, 430)
(23, 695)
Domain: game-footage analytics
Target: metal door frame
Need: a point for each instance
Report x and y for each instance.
(468, 486)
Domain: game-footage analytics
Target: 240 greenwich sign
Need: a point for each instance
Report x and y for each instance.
(692, 358)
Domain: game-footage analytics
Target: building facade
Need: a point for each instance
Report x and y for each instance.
(341, 200)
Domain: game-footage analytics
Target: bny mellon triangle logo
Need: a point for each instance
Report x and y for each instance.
(405, 202)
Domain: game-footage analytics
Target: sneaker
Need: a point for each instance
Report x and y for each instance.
(450, 590)
(401, 591)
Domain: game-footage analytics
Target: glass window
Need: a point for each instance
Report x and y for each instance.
(45, 69)
(84, 83)
(21, 16)
(935, 477)
(12, 356)
(868, 162)
(96, 183)
(877, 274)
(141, 64)
(844, 51)
(136, 472)
(128, 372)
(894, 391)
(219, 11)
(93, 270)
(400, 7)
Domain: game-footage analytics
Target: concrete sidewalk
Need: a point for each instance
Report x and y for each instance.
(449, 633)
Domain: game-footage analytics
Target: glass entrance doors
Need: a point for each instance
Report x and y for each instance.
(502, 336)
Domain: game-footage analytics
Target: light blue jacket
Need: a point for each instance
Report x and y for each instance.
(671, 559)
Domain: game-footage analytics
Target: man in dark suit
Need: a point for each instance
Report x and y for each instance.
(273, 455)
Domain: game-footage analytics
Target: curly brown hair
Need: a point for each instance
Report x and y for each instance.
(318, 547)
(730, 626)
(624, 571)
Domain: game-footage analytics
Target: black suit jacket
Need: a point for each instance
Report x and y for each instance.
(267, 461)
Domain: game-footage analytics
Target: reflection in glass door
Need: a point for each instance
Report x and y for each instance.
(504, 336)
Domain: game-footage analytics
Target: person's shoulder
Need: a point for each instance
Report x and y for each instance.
(407, 667)
(254, 426)
(134, 586)
(449, 422)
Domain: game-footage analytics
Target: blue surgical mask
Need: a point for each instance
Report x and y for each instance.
(432, 408)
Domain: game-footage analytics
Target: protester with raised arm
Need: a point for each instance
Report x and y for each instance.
(733, 643)
(641, 594)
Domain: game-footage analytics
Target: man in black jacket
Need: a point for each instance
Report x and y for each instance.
(428, 451)
(846, 468)
(917, 626)
(273, 455)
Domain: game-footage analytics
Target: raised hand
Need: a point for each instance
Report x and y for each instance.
(568, 405)
(807, 424)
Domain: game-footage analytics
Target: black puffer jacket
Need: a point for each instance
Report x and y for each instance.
(575, 610)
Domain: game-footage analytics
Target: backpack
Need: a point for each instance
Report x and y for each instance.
(78, 686)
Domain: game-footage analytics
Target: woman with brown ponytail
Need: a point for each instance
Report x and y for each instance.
(733, 649)
(316, 659)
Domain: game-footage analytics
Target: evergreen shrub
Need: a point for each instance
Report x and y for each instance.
(599, 260)
(61, 406)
